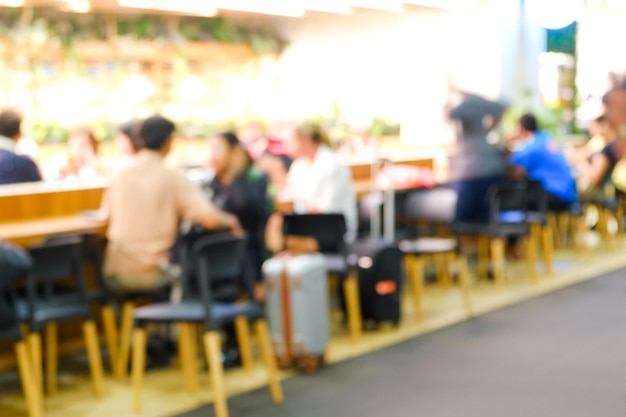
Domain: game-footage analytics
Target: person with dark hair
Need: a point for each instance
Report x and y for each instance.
(127, 137)
(14, 168)
(276, 168)
(540, 159)
(240, 189)
(144, 205)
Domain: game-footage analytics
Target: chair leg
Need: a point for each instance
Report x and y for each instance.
(547, 238)
(243, 340)
(123, 351)
(464, 283)
(442, 270)
(34, 345)
(95, 360)
(498, 260)
(562, 230)
(269, 359)
(353, 306)
(531, 258)
(52, 358)
(34, 402)
(483, 257)
(216, 372)
(139, 366)
(110, 333)
(415, 275)
(553, 223)
(187, 349)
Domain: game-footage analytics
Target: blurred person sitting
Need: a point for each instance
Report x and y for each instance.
(144, 204)
(80, 162)
(14, 168)
(276, 168)
(475, 163)
(540, 159)
(595, 174)
(318, 182)
(240, 189)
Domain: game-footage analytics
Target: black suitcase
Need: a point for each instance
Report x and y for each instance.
(378, 260)
(379, 268)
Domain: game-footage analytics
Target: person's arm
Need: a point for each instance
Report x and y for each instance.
(194, 207)
(595, 170)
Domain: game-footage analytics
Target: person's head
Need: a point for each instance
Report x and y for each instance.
(227, 154)
(82, 144)
(615, 110)
(127, 137)
(10, 124)
(305, 141)
(275, 167)
(527, 125)
(156, 134)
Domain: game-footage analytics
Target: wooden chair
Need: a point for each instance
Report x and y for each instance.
(507, 196)
(218, 257)
(433, 207)
(10, 326)
(56, 260)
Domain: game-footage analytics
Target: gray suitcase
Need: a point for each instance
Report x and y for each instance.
(298, 309)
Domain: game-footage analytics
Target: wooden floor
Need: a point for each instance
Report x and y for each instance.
(164, 394)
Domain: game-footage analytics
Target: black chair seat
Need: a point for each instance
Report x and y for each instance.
(495, 230)
(161, 294)
(51, 311)
(518, 216)
(195, 311)
(427, 245)
(13, 332)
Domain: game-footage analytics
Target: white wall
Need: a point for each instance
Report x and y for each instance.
(396, 65)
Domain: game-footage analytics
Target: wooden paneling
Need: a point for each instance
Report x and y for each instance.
(23, 206)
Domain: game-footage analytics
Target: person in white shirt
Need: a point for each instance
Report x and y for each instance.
(318, 181)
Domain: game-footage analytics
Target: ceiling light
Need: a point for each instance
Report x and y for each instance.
(180, 6)
(276, 7)
(12, 3)
(78, 6)
(387, 5)
(443, 4)
(328, 6)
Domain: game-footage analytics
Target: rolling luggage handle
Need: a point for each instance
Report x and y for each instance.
(386, 198)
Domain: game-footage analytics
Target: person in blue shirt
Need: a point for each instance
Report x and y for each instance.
(540, 159)
(14, 168)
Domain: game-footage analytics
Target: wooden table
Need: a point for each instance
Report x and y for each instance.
(31, 232)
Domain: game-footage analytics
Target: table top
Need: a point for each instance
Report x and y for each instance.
(34, 231)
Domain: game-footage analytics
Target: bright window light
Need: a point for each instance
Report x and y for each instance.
(387, 5)
(12, 3)
(181, 6)
(276, 7)
(328, 6)
(554, 14)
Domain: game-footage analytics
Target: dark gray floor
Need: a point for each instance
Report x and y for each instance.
(562, 354)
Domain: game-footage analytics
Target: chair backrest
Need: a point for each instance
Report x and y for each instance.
(537, 196)
(508, 196)
(328, 229)
(58, 258)
(14, 264)
(436, 205)
(221, 257)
